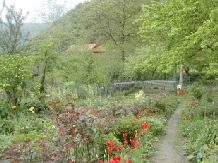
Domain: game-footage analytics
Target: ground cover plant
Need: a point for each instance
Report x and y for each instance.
(199, 127)
(115, 131)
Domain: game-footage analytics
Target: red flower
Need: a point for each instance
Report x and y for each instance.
(187, 118)
(125, 142)
(109, 151)
(148, 115)
(181, 93)
(54, 104)
(144, 125)
(87, 136)
(124, 135)
(110, 143)
(120, 147)
(117, 158)
(100, 161)
(135, 144)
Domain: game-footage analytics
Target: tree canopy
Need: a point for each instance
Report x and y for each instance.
(11, 36)
(187, 30)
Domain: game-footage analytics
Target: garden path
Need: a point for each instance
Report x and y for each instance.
(169, 148)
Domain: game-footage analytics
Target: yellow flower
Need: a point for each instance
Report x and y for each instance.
(215, 146)
(32, 109)
(14, 107)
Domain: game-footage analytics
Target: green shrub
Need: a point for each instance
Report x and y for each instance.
(7, 126)
(127, 124)
(38, 105)
(5, 142)
(160, 105)
(196, 90)
(156, 124)
(199, 136)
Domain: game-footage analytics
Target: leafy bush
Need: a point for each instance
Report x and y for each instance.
(7, 126)
(156, 124)
(126, 124)
(199, 135)
(196, 90)
(14, 75)
(37, 104)
(160, 105)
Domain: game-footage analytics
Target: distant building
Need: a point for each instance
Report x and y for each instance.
(95, 48)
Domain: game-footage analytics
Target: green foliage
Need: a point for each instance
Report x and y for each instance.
(14, 76)
(143, 64)
(100, 141)
(160, 105)
(199, 128)
(33, 128)
(11, 35)
(156, 125)
(114, 27)
(185, 29)
(166, 105)
(7, 126)
(196, 90)
(36, 103)
(126, 124)
(200, 135)
(7, 141)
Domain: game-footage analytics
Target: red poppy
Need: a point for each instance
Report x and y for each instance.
(125, 142)
(120, 147)
(181, 93)
(109, 151)
(100, 161)
(87, 136)
(124, 135)
(135, 144)
(117, 158)
(110, 143)
(144, 125)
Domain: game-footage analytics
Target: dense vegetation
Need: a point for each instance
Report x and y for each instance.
(56, 103)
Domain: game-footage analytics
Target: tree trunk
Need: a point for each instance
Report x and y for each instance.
(42, 86)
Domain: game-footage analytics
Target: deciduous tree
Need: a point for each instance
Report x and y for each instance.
(111, 22)
(11, 36)
(188, 31)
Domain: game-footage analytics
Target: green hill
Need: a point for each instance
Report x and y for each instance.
(95, 22)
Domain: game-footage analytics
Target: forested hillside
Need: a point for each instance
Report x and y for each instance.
(109, 24)
(136, 40)
(33, 29)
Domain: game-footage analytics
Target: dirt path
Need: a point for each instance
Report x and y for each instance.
(169, 148)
